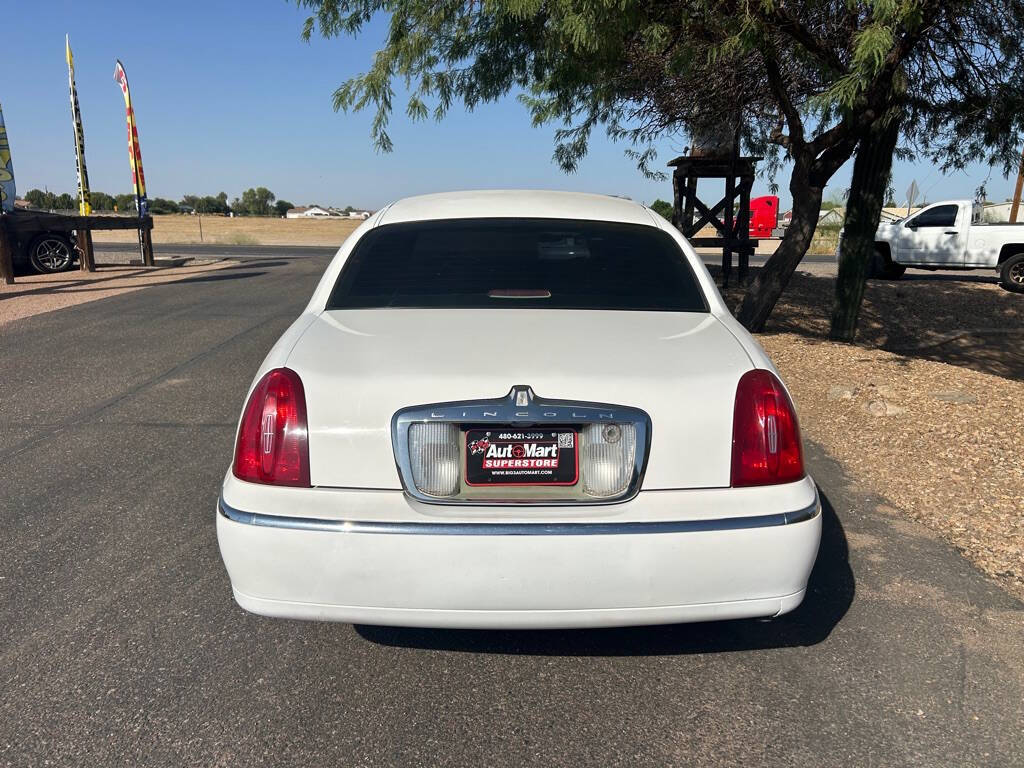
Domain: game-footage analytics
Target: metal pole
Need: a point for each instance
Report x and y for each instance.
(1016, 193)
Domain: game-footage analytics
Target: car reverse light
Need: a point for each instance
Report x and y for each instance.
(766, 447)
(607, 457)
(272, 445)
(434, 455)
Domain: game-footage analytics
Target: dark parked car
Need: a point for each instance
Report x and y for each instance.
(41, 242)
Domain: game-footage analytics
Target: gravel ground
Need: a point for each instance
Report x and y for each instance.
(925, 408)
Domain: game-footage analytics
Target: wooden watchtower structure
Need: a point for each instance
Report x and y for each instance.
(730, 216)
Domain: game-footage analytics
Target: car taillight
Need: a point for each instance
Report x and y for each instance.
(766, 447)
(272, 445)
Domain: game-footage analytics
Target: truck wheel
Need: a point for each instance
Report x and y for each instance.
(51, 253)
(883, 268)
(1011, 274)
(894, 271)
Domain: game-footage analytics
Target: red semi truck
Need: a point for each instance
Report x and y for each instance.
(764, 216)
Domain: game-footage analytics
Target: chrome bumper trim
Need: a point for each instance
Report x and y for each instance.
(519, 529)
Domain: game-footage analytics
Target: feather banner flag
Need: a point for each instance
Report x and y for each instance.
(134, 151)
(84, 198)
(7, 190)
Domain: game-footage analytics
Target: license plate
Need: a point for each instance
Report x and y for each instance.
(527, 457)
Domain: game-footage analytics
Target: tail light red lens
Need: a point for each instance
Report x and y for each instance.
(272, 445)
(766, 447)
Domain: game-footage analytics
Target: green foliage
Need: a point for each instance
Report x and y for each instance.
(648, 70)
(209, 204)
(37, 198)
(256, 201)
(125, 203)
(162, 205)
(65, 202)
(101, 201)
(662, 208)
(282, 207)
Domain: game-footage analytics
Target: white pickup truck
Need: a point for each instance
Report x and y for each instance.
(951, 235)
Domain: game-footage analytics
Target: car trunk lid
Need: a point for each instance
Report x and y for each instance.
(359, 367)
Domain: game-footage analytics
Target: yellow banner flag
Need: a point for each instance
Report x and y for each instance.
(84, 198)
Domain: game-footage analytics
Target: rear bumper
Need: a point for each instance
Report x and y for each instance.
(519, 574)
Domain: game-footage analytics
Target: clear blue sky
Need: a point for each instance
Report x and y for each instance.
(227, 96)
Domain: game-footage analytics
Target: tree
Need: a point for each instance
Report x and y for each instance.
(955, 97)
(662, 208)
(125, 203)
(641, 70)
(101, 201)
(282, 207)
(210, 204)
(254, 202)
(803, 80)
(162, 205)
(37, 198)
(65, 202)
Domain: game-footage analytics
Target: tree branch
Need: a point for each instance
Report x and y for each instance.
(778, 88)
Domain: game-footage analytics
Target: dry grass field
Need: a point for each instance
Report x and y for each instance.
(222, 230)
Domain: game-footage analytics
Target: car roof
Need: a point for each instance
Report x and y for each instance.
(516, 203)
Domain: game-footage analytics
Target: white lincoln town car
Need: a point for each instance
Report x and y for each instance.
(515, 409)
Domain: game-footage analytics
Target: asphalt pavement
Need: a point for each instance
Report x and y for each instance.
(121, 644)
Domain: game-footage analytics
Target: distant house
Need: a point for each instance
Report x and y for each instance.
(832, 217)
(323, 212)
(309, 212)
(898, 212)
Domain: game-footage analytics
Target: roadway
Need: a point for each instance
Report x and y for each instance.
(121, 644)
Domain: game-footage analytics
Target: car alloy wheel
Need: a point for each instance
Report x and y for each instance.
(1017, 273)
(51, 254)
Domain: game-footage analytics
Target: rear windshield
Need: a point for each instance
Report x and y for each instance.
(530, 263)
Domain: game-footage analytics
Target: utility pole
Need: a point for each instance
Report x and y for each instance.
(1016, 193)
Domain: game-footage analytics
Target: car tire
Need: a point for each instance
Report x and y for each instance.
(51, 253)
(881, 267)
(1011, 273)
(894, 271)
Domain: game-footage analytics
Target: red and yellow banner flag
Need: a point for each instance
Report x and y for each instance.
(134, 151)
(84, 198)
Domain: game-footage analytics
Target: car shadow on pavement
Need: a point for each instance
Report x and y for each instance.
(262, 263)
(216, 277)
(829, 595)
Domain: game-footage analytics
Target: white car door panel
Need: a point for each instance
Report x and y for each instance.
(933, 236)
